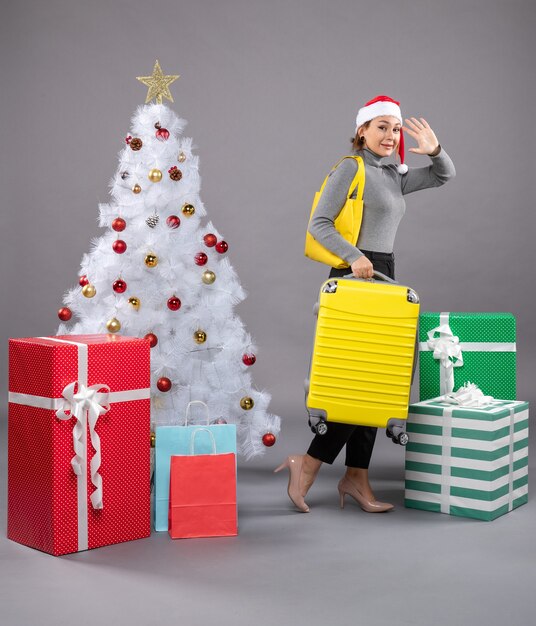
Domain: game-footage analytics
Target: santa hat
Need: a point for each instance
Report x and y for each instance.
(383, 105)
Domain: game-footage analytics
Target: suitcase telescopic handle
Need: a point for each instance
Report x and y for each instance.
(377, 275)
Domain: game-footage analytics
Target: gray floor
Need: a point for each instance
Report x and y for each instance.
(328, 566)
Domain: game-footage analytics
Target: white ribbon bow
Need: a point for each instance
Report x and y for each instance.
(468, 395)
(86, 405)
(447, 350)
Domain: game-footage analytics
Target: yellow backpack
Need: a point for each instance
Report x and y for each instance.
(347, 223)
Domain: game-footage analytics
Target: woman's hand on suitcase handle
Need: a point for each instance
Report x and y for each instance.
(362, 268)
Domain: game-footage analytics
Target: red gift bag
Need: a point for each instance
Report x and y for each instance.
(202, 493)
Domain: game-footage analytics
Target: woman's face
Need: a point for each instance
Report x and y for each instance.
(383, 135)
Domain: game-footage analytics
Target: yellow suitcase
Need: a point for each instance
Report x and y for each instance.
(363, 357)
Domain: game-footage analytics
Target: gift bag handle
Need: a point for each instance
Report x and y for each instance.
(192, 440)
(188, 410)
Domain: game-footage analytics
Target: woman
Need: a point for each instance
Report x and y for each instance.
(379, 134)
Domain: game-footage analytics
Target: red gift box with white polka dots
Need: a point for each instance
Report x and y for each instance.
(50, 507)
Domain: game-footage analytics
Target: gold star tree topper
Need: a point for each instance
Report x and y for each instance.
(158, 84)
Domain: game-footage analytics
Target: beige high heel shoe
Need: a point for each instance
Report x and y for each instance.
(294, 465)
(347, 487)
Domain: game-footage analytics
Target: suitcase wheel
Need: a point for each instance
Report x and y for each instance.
(320, 429)
(401, 437)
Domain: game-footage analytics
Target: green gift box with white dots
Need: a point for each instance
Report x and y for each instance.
(488, 347)
(468, 462)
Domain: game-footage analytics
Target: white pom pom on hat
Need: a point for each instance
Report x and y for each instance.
(383, 105)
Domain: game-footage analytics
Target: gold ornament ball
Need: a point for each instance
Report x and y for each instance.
(188, 209)
(151, 260)
(113, 325)
(200, 336)
(155, 176)
(89, 290)
(247, 403)
(208, 277)
(135, 302)
(182, 157)
(136, 188)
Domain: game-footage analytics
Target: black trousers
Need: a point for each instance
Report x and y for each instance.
(359, 440)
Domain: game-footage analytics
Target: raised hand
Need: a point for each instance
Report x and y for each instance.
(423, 134)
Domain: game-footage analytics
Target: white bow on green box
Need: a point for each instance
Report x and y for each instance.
(457, 347)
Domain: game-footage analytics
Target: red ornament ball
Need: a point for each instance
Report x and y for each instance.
(268, 440)
(200, 258)
(162, 134)
(173, 221)
(119, 286)
(248, 359)
(83, 280)
(174, 303)
(65, 314)
(163, 384)
(222, 247)
(210, 240)
(152, 338)
(119, 246)
(119, 224)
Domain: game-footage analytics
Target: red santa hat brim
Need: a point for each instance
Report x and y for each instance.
(380, 107)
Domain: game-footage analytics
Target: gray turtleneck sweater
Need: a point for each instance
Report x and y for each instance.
(384, 204)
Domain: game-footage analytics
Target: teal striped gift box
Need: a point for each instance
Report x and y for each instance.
(471, 462)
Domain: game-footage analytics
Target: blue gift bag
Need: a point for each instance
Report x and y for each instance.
(175, 440)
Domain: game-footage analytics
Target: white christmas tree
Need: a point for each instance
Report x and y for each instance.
(161, 272)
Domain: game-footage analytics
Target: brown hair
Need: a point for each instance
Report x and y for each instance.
(357, 144)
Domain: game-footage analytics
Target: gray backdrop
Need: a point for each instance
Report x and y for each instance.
(271, 90)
